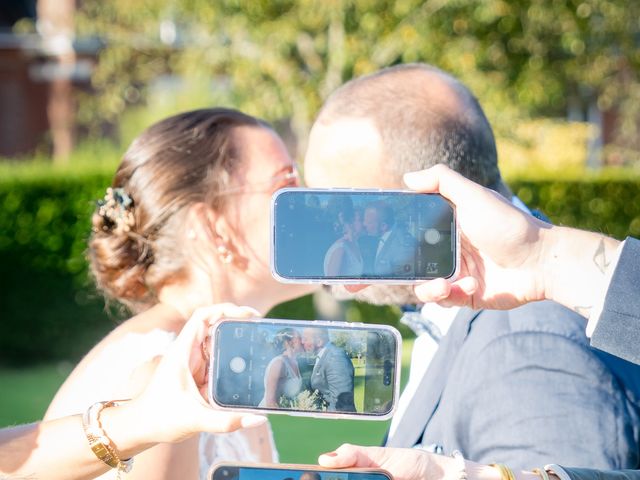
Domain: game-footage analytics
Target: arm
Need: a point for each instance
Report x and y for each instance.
(531, 398)
(414, 464)
(273, 375)
(58, 449)
(519, 259)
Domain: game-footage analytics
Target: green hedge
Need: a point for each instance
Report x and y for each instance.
(48, 309)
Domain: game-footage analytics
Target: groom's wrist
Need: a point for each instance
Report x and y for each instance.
(476, 471)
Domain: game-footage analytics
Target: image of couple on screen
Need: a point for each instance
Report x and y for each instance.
(372, 243)
(309, 373)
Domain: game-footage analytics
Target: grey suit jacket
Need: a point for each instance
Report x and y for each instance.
(618, 330)
(397, 255)
(592, 474)
(522, 387)
(332, 376)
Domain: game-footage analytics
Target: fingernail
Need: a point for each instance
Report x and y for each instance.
(330, 454)
(410, 177)
(249, 421)
(252, 310)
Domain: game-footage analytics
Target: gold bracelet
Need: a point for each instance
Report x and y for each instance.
(542, 472)
(505, 472)
(100, 443)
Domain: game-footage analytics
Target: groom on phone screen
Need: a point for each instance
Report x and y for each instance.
(333, 372)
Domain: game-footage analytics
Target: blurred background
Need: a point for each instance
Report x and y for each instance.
(79, 79)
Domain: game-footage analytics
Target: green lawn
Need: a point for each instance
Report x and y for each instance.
(27, 392)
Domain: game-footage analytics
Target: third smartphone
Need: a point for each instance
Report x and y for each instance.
(361, 236)
(292, 472)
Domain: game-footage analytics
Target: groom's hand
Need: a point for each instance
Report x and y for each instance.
(401, 463)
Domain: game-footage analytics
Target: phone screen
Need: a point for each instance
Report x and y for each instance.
(305, 367)
(362, 235)
(282, 473)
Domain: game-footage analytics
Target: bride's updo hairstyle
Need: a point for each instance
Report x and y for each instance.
(283, 338)
(185, 159)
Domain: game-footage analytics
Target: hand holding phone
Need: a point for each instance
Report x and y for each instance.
(310, 368)
(362, 236)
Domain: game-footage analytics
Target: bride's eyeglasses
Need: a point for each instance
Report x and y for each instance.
(286, 177)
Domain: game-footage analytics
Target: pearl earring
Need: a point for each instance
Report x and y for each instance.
(225, 255)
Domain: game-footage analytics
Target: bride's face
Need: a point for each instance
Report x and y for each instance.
(296, 344)
(266, 167)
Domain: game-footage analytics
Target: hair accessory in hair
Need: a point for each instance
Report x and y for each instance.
(115, 209)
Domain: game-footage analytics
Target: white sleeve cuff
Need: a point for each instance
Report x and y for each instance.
(558, 471)
(596, 311)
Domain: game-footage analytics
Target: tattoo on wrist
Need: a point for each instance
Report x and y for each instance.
(600, 257)
(585, 311)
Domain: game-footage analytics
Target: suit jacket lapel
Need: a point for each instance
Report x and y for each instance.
(386, 244)
(426, 399)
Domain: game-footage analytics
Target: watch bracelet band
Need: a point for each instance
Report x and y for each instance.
(100, 444)
(505, 472)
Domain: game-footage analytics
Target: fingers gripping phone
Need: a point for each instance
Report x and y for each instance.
(361, 236)
(229, 471)
(309, 368)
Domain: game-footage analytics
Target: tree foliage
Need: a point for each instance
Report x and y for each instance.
(281, 58)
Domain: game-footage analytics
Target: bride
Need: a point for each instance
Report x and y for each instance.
(344, 258)
(184, 224)
(282, 376)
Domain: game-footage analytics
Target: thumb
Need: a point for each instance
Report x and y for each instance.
(215, 421)
(347, 456)
(441, 179)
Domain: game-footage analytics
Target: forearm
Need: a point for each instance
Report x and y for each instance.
(575, 264)
(59, 449)
(56, 450)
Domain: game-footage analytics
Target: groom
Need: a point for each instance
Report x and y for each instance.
(333, 371)
(395, 247)
(521, 387)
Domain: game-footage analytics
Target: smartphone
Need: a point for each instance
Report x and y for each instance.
(232, 471)
(308, 368)
(361, 236)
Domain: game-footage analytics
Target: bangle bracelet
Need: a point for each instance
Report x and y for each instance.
(462, 467)
(541, 472)
(505, 472)
(100, 443)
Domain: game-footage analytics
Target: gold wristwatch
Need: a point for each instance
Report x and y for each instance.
(99, 442)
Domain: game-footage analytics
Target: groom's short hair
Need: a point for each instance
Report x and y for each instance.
(310, 476)
(417, 126)
(319, 334)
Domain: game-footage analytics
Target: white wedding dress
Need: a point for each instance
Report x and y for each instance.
(351, 259)
(289, 386)
(126, 355)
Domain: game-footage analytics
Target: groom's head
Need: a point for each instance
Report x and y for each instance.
(375, 128)
(313, 339)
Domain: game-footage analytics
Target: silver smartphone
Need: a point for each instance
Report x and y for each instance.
(310, 368)
(239, 471)
(362, 236)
